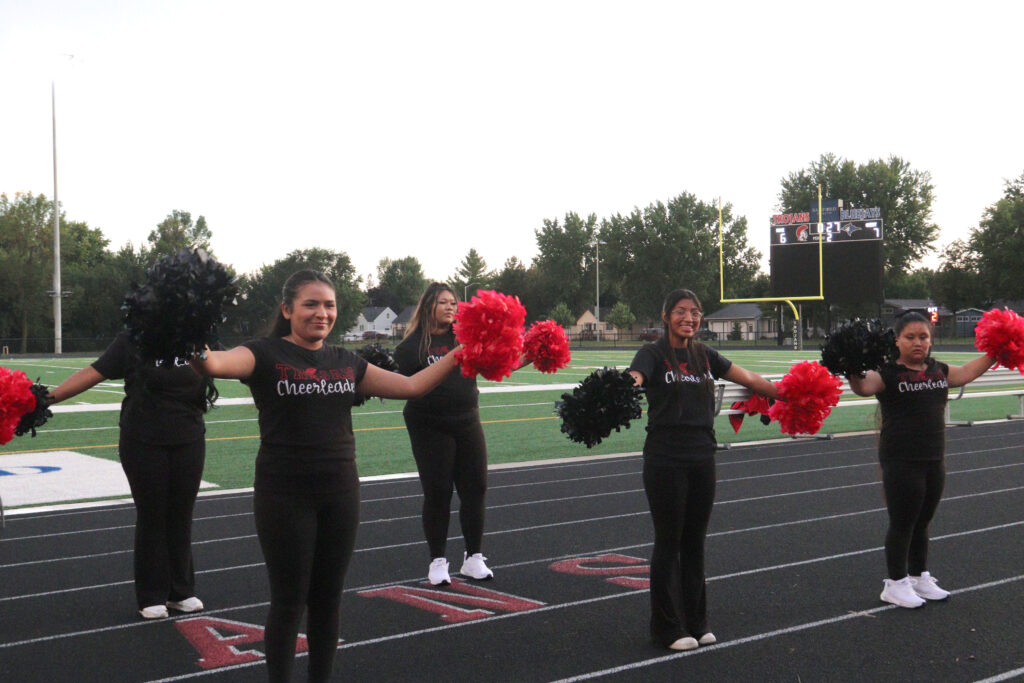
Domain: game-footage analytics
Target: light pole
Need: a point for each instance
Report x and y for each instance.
(597, 286)
(465, 290)
(57, 341)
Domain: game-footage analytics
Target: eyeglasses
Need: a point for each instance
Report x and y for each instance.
(683, 312)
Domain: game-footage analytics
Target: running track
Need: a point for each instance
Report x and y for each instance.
(794, 565)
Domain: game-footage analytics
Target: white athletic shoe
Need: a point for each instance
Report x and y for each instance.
(926, 587)
(901, 593)
(154, 612)
(684, 643)
(474, 567)
(187, 605)
(438, 572)
(707, 639)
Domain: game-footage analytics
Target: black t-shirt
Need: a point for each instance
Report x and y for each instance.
(456, 394)
(304, 399)
(162, 405)
(681, 412)
(913, 411)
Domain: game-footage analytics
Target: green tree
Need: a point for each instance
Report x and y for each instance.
(998, 242)
(652, 251)
(562, 314)
(177, 231)
(26, 266)
(260, 291)
(917, 284)
(903, 194)
(958, 283)
(400, 283)
(471, 275)
(565, 262)
(620, 316)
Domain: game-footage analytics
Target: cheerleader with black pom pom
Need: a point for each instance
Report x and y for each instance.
(679, 465)
(912, 393)
(162, 448)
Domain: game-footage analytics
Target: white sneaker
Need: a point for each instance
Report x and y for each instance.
(474, 567)
(707, 639)
(187, 605)
(438, 572)
(154, 612)
(685, 643)
(901, 593)
(926, 587)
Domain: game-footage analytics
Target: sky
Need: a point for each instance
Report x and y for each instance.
(390, 129)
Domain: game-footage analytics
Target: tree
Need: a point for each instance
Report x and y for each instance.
(400, 283)
(562, 315)
(471, 275)
(26, 265)
(957, 283)
(998, 242)
(565, 262)
(652, 251)
(260, 291)
(620, 316)
(903, 194)
(512, 279)
(177, 231)
(917, 284)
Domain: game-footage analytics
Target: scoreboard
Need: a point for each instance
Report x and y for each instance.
(851, 255)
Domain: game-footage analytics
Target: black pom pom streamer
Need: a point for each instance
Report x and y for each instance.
(606, 399)
(36, 418)
(857, 346)
(378, 355)
(176, 312)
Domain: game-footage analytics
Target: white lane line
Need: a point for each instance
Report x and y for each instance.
(1005, 676)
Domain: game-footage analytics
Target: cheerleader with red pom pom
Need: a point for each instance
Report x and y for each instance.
(912, 394)
(679, 373)
(444, 426)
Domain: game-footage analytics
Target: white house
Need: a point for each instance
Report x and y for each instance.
(744, 318)
(372, 319)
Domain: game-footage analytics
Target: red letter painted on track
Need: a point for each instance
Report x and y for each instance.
(443, 602)
(207, 636)
(623, 566)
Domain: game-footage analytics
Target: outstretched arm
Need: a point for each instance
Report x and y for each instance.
(378, 382)
(752, 381)
(867, 384)
(960, 375)
(237, 363)
(82, 380)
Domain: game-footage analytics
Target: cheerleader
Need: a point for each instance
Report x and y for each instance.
(679, 373)
(912, 395)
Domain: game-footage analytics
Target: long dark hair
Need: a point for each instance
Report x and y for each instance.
(282, 327)
(422, 317)
(696, 349)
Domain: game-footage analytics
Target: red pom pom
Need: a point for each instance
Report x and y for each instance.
(1000, 334)
(546, 345)
(755, 405)
(16, 399)
(807, 394)
(490, 329)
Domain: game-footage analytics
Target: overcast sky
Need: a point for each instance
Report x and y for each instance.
(387, 129)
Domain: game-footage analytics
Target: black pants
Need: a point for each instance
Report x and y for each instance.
(450, 453)
(680, 497)
(307, 543)
(164, 481)
(912, 494)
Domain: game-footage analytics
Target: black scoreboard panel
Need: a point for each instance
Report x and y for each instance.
(853, 270)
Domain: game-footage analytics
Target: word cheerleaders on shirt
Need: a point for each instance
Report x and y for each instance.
(304, 381)
(436, 354)
(684, 374)
(919, 381)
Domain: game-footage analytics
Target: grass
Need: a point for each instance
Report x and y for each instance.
(520, 426)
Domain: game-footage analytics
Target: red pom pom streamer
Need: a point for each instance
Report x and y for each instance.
(546, 345)
(490, 329)
(1000, 334)
(16, 399)
(755, 405)
(808, 393)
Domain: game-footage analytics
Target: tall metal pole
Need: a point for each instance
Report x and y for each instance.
(597, 286)
(57, 341)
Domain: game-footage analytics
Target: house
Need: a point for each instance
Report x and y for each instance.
(401, 322)
(941, 316)
(744, 319)
(966, 319)
(586, 328)
(377, 319)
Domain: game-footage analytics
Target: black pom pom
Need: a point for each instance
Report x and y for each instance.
(857, 346)
(38, 417)
(176, 312)
(378, 355)
(607, 399)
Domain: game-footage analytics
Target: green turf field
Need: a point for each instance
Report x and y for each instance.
(520, 426)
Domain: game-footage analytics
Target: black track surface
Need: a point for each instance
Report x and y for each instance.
(794, 563)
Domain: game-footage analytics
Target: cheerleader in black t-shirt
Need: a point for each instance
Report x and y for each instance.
(679, 465)
(912, 396)
(306, 499)
(162, 448)
(446, 436)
